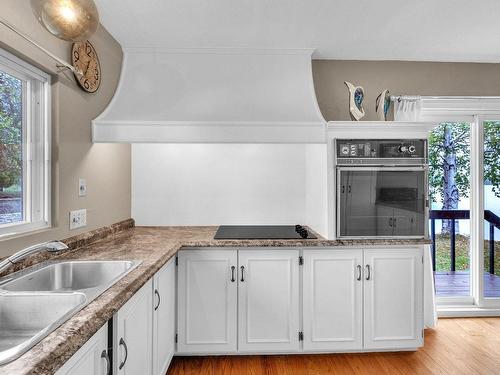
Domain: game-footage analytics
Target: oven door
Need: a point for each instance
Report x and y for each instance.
(377, 202)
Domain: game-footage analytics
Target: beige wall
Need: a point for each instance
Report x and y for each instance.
(400, 77)
(106, 167)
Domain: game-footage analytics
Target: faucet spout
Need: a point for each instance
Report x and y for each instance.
(51, 246)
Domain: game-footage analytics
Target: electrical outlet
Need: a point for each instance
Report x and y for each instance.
(77, 219)
(82, 187)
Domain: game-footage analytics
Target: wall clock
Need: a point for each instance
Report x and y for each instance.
(84, 58)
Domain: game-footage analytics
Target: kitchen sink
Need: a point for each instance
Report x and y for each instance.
(37, 300)
(69, 276)
(26, 318)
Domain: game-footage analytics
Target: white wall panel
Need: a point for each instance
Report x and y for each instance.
(212, 184)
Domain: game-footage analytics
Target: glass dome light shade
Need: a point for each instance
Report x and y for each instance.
(71, 20)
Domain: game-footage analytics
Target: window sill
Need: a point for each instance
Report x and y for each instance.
(17, 231)
(466, 311)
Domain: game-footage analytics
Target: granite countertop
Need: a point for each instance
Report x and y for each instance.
(154, 246)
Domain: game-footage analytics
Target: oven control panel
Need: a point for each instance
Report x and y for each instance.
(381, 148)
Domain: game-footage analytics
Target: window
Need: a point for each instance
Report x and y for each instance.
(464, 150)
(24, 146)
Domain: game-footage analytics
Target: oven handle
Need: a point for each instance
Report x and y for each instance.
(381, 168)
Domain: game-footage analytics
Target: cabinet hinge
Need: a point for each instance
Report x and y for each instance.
(176, 337)
(301, 260)
(301, 336)
(176, 260)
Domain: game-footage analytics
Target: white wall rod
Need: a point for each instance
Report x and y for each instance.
(61, 62)
(412, 98)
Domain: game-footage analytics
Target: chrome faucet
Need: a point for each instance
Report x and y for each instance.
(52, 246)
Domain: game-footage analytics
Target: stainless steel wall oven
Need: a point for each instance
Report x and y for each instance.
(381, 188)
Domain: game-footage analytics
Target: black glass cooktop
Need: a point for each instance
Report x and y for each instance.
(262, 232)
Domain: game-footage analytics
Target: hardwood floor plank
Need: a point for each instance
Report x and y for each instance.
(456, 346)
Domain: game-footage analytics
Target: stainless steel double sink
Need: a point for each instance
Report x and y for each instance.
(35, 301)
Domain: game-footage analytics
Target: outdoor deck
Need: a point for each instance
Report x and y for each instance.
(449, 284)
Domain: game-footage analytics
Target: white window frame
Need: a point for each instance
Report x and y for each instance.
(474, 110)
(36, 145)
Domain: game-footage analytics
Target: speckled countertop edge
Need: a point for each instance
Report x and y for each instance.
(154, 246)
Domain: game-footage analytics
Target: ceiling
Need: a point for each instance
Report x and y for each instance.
(422, 30)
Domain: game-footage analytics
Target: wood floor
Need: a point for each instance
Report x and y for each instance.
(457, 346)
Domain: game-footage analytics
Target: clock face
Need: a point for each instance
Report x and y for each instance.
(84, 58)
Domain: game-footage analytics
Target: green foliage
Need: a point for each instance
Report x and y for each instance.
(10, 130)
(439, 149)
(460, 146)
(492, 154)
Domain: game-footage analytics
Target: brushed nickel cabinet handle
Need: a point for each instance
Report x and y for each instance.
(104, 355)
(242, 273)
(368, 272)
(359, 272)
(157, 294)
(124, 344)
(232, 274)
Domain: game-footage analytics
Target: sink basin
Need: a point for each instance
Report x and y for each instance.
(27, 318)
(69, 276)
(37, 300)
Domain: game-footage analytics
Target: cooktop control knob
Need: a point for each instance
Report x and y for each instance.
(411, 149)
(402, 148)
(301, 231)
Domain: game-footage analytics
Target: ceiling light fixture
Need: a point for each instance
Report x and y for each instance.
(71, 20)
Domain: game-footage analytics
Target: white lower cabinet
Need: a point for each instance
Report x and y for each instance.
(393, 289)
(164, 289)
(91, 359)
(268, 300)
(132, 334)
(207, 298)
(363, 299)
(333, 300)
(249, 300)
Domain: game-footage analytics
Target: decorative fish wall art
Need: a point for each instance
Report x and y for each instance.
(356, 96)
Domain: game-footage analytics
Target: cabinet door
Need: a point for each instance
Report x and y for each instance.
(333, 299)
(132, 334)
(393, 298)
(164, 287)
(91, 358)
(207, 295)
(268, 300)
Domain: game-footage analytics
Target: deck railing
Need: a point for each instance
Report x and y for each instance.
(453, 215)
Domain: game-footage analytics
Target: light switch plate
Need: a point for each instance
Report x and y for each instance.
(82, 187)
(77, 219)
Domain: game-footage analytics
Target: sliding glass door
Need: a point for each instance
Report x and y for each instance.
(449, 187)
(490, 194)
(464, 225)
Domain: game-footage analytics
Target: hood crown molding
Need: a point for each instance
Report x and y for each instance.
(213, 96)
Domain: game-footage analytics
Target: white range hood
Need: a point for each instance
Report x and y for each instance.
(213, 96)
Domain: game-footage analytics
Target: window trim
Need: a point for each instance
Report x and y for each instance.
(36, 145)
